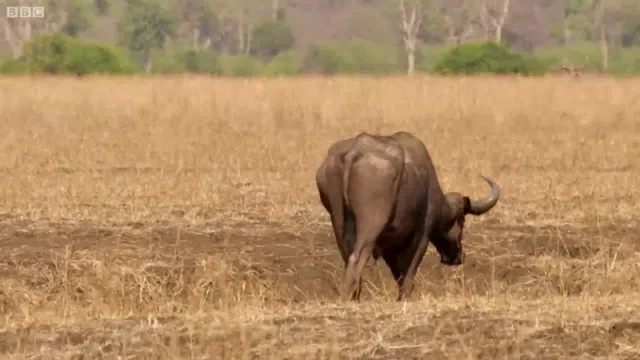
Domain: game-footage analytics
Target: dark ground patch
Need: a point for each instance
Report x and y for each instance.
(306, 266)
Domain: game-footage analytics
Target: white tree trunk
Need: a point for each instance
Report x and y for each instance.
(411, 62)
(604, 48)
(499, 20)
(275, 9)
(240, 36)
(17, 34)
(411, 20)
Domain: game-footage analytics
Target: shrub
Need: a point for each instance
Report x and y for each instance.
(61, 54)
(286, 63)
(351, 57)
(426, 57)
(371, 58)
(188, 60)
(487, 57)
(581, 54)
(326, 59)
(622, 61)
(626, 62)
(13, 66)
(241, 65)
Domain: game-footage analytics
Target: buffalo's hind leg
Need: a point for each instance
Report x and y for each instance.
(367, 233)
(372, 204)
(329, 182)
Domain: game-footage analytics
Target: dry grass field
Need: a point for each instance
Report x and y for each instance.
(178, 217)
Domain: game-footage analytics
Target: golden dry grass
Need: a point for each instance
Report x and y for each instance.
(178, 217)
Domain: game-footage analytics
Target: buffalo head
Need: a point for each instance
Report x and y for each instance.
(448, 238)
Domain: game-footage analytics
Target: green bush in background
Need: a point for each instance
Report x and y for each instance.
(582, 54)
(57, 53)
(241, 65)
(487, 57)
(352, 57)
(187, 60)
(61, 54)
(13, 66)
(286, 63)
(325, 59)
(622, 61)
(427, 57)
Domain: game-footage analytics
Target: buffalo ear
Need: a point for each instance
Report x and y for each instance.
(458, 206)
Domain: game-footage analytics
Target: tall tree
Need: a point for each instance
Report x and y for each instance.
(494, 14)
(411, 14)
(102, 6)
(146, 25)
(79, 16)
(16, 31)
(459, 19)
(242, 16)
(607, 17)
(271, 37)
(200, 20)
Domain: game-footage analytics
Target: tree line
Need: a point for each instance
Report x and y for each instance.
(251, 37)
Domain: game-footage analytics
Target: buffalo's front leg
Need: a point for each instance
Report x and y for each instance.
(418, 250)
(398, 260)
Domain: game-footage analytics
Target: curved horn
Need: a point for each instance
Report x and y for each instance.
(481, 207)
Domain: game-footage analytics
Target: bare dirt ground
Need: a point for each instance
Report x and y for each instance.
(178, 218)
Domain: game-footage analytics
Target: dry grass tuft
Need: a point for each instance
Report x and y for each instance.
(177, 217)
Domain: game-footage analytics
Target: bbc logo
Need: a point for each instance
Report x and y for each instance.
(25, 11)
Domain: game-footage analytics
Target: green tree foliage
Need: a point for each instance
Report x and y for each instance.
(631, 34)
(102, 6)
(487, 57)
(188, 60)
(145, 26)
(199, 21)
(61, 54)
(351, 57)
(270, 38)
(78, 17)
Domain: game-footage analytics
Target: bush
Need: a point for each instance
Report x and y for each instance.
(241, 65)
(62, 54)
(351, 57)
(13, 66)
(286, 63)
(371, 58)
(188, 60)
(625, 62)
(427, 57)
(582, 54)
(487, 57)
(326, 60)
(622, 61)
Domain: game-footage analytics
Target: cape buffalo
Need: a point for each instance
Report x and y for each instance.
(384, 199)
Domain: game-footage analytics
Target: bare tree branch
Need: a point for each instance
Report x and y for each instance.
(411, 17)
(498, 20)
